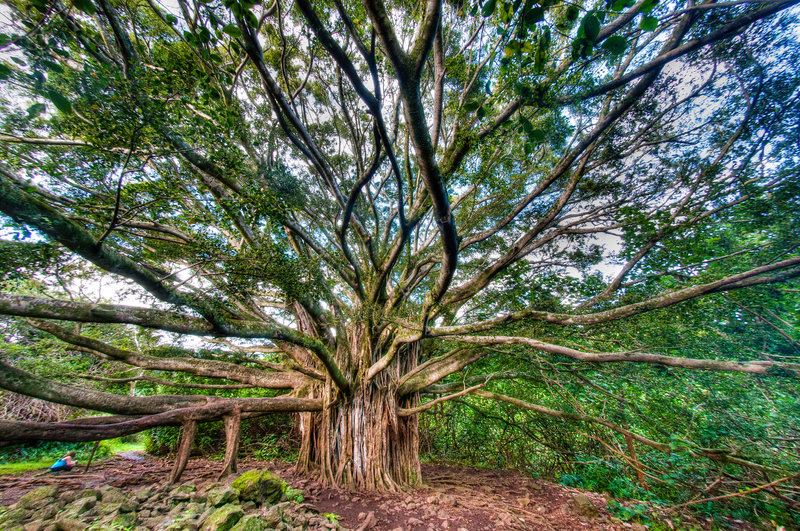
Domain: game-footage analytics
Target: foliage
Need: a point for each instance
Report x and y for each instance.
(265, 438)
(44, 451)
(584, 214)
(292, 494)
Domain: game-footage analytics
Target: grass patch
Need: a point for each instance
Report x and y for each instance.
(107, 448)
(18, 468)
(116, 446)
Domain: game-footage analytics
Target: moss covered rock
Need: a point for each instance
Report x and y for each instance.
(124, 520)
(36, 498)
(252, 522)
(223, 518)
(222, 495)
(260, 486)
(94, 493)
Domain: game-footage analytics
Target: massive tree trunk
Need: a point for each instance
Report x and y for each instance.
(358, 439)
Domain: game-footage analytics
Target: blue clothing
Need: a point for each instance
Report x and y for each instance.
(61, 464)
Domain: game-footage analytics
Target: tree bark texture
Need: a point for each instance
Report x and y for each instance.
(359, 440)
(233, 423)
(184, 449)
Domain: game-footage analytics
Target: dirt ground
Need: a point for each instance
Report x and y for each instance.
(452, 498)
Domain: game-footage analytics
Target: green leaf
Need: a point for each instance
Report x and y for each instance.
(5, 72)
(84, 5)
(534, 15)
(591, 27)
(61, 103)
(572, 13)
(615, 44)
(648, 6)
(512, 48)
(488, 8)
(251, 19)
(471, 106)
(536, 135)
(619, 5)
(649, 23)
(232, 30)
(36, 109)
(52, 66)
(171, 20)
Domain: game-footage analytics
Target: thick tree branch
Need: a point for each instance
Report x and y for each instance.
(753, 367)
(22, 306)
(754, 277)
(12, 431)
(190, 365)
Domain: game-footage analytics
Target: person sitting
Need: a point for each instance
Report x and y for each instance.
(64, 464)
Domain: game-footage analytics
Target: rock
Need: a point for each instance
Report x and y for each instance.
(68, 496)
(249, 506)
(582, 505)
(45, 513)
(636, 526)
(182, 493)
(260, 486)
(177, 511)
(220, 496)
(223, 518)
(251, 522)
(108, 508)
(193, 508)
(70, 524)
(37, 498)
(128, 506)
(414, 521)
(202, 518)
(82, 505)
(124, 520)
(273, 516)
(186, 488)
(143, 494)
(151, 523)
(36, 525)
(182, 526)
(94, 493)
(113, 495)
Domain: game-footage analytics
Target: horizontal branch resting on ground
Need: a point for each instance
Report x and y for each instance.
(13, 431)
(19, 381)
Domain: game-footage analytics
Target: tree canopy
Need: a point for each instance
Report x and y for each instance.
(362, 210)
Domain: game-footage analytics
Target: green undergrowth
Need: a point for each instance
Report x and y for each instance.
(19, 468)
(19, 459)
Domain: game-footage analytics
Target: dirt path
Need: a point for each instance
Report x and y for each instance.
(453, 498)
